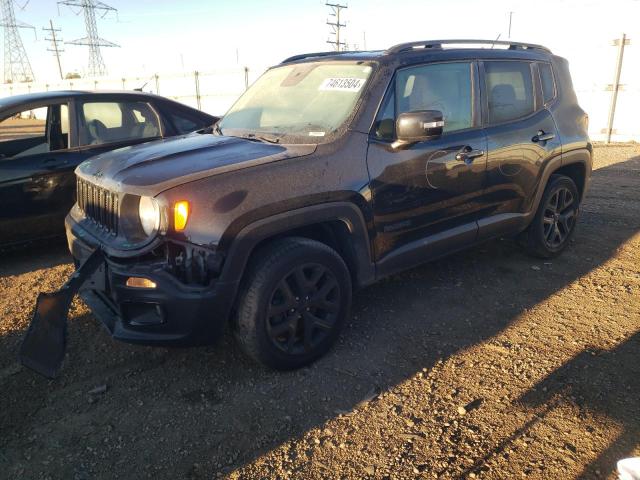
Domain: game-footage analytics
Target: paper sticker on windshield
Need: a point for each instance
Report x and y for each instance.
(316, 134)
(342, 84)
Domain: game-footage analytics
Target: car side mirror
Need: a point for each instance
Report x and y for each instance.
(413, 127)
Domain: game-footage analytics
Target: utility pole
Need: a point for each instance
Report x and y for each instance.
(510, 17)
(97, 67)
(54, 43)
(620, 43)
(16, 64)
(336, 8)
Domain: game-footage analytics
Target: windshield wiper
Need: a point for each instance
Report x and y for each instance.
(261, 138)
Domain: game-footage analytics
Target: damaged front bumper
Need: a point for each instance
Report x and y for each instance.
(166, 312)
(172, 313)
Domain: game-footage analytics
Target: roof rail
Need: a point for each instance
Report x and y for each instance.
(309, 55)
(437, 44)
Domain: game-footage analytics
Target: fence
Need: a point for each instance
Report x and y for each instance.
(215, 91)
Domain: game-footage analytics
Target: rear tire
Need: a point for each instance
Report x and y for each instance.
(554, 223)
(294, 300)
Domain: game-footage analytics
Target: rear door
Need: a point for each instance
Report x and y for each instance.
(522, 138)
(425, 195)
(36, 172)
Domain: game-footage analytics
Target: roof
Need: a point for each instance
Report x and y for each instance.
(505, 48)
(37, 97)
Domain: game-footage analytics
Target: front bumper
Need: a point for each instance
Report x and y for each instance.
(172, 314)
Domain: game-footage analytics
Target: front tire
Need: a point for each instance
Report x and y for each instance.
(294, 300)
(554, 223)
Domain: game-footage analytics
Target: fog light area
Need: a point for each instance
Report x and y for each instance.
(140, 282)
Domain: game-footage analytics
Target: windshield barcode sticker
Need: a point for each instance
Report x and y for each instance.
(342, 84)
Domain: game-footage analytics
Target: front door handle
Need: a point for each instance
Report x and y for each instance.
(542, 136)
(468, 154)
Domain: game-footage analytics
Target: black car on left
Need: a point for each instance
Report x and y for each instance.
(45, 136)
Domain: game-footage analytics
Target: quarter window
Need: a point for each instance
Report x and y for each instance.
(184, 124)
(440, 86)
(385, 125)
(510, 90)
(548, 85)
(108, 122)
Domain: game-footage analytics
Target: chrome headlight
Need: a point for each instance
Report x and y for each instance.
(149, 213)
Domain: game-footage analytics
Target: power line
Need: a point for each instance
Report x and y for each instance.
(336, 9)
(54, 44)
(97, 67)
(16, 63)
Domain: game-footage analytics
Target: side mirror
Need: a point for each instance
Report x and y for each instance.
(413, 127)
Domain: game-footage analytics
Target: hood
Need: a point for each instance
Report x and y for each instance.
(150, 168)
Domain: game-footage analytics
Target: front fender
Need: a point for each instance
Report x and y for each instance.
(251, 235)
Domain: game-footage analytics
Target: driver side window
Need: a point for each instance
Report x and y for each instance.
(445, 87)
(34, 131)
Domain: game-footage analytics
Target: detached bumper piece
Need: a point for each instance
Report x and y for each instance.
(45, 342)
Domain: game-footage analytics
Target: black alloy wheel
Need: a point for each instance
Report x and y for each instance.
(559, 217)
(294, 299)
(554, 223)
(303, 309)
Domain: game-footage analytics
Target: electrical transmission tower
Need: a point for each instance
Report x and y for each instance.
(54, 44)
(92, 40)
(16, 64)
(336, 9)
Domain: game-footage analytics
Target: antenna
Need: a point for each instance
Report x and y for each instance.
(494, 42)
(336, 8)
(97, 67)
(54, 44)
(16, 63)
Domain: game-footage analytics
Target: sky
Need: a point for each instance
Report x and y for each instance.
(158, 36)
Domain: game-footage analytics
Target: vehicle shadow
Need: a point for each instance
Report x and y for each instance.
(616, 373)
(193, 413)
(40, 255)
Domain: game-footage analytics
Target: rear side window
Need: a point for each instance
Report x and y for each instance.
(548, 83)
(108, 122)
(510, 90)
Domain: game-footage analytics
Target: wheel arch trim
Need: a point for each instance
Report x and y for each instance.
(250, 236)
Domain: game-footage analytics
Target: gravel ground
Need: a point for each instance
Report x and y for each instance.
(489, 364)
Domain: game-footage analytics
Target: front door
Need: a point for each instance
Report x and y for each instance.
(36, 173)
(426, 195)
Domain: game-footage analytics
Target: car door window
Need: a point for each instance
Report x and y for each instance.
(510, 90)
(446, 87)
(184, 124)
(108, 122)
(548, 84)
(37, 130)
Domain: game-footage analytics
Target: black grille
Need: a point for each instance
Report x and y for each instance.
(98, 204)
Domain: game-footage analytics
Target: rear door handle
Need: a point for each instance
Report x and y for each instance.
(542, 136)
(468, 154)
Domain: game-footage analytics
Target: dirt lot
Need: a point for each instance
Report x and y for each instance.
(490, 364)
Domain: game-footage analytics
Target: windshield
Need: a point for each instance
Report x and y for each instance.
(309, 100)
